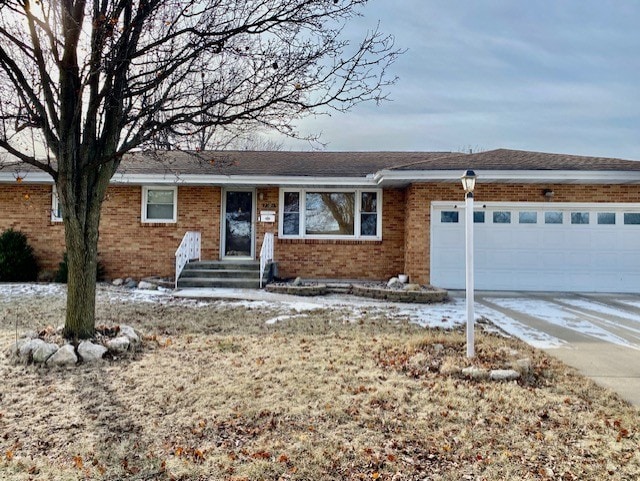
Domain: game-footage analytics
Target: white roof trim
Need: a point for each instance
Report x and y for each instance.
(381, 178)
(38, 177)
(198, 179)
(525, 176)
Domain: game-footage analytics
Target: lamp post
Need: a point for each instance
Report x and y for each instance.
(468, 183)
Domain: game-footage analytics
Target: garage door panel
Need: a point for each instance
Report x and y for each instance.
(554, 257)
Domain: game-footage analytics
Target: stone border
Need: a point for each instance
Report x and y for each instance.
(314, 290)
(396, 295)
(420, 297)
(31, 348)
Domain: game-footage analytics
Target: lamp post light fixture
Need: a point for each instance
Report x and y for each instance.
(468, 183)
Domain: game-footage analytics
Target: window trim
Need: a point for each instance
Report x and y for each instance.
(55, 205)
(145, 199)
(356, 217)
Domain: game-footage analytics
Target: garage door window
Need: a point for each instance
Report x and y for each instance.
(631, 218)
(449, 217)
(579, 217)
(606, 218)
(528, 217)
(502, 217)
(553, 217)
(478, 217)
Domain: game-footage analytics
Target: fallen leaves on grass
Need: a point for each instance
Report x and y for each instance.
(230, 397)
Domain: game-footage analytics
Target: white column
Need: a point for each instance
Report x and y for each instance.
(469, 270)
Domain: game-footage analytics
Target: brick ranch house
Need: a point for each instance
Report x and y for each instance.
(542, 221)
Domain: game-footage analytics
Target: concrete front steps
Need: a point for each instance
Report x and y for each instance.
(238, 274)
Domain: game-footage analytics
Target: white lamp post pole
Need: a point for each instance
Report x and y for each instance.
(468, 182)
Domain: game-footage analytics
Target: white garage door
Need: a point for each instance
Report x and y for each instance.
(540, 247)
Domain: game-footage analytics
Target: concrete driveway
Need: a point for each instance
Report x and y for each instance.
(598, 334)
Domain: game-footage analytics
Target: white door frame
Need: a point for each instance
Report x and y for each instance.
(223, 220)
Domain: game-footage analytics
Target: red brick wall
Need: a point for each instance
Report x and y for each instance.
(131, 248)
(420, 196)
(127, 247)
(345, 259)
(27, 208)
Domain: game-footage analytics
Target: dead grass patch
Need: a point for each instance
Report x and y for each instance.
(319, 397)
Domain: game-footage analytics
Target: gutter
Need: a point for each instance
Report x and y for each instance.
(406, 177)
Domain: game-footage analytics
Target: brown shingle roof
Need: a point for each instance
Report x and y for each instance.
(505, 159)
(350, 164)
(272, 163)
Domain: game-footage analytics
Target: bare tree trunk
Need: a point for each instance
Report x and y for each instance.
(81, 213)
(81, 285)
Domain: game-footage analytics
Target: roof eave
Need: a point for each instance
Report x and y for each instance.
(391, 177)
(249, 180)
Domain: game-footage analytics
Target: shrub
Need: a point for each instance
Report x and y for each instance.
(63, 271)
(17, 260)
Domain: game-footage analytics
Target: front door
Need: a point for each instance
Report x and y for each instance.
(237, 229)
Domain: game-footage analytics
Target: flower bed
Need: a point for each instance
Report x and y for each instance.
(408, 293)
(306, 289)
(419, 294)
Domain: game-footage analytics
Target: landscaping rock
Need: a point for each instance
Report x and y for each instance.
(475, 372)
(118, 282)
(130, 334)
(438, 348)
(64, 356)
(131, 284)
(46, 276)
(394, 283)
(29, 335)
(297, 282)
(508, 351)
(504, 375)
(411, 287)
(523, 366)
(44, 352)
(118, 345)
(26, 350)
(90, 352)
(14, 348)
(298, 290)
(147, 285)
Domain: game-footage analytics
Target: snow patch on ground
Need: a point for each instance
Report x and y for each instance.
(528, 334)
(578, 315)
(630, 302)
(284, 317)
(601, 308)
(12, 291)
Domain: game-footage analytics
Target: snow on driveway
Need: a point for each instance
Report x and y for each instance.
(587, 317)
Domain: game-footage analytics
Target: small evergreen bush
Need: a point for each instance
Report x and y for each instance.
(17, 261)
(62, 275)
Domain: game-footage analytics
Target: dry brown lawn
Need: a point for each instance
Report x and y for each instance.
(216, 393)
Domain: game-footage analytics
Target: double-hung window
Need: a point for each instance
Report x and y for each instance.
(159, 204)
(330, 214)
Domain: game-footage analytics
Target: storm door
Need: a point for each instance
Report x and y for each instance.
(237, 228)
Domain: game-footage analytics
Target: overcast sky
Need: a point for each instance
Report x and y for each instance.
(546, 75)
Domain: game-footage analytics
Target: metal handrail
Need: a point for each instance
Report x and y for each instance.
(189, 250)
(266, 254)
